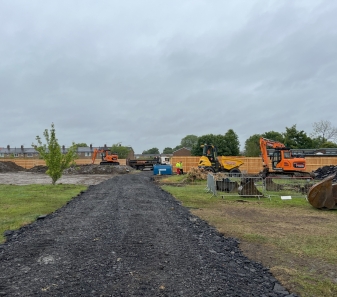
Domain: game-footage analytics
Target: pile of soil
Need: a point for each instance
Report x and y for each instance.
(128, 237)
(326, 171)
(98, 169)
(38, 169)
(10, 166)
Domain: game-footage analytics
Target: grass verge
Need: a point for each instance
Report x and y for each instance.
(21, 205)
(296, 241)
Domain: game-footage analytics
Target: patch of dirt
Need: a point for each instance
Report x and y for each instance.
(28, 178)
(9, 166)
(326, 171)
(283, 265)
(277, 224)
(10, 173)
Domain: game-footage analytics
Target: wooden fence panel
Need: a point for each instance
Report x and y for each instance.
(188, 162)
(312, 163)
(252, 165)
(26, 163)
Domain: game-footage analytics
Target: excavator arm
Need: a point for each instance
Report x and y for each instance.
(264, 144)
(93, 158)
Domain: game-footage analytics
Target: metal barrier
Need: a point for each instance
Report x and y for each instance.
(241, 185)
(211, 186)
(287, 188)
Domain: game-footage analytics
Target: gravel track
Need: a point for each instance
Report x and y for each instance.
(128, 237)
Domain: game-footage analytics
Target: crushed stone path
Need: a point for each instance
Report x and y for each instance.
(128, 237)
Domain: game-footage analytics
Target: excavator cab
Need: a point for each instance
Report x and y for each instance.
(275, 159)
(209, 159)
(282, 160)
(210, 152)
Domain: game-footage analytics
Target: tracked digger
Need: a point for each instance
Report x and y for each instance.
(108, 158)
(282, 161)
(210, 161)
(322, 195)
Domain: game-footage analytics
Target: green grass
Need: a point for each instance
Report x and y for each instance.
(21, 205)
(258, 238)
(192, 194)
(290, 229)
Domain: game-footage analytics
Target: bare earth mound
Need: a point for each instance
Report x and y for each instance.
(10, 167)
(82, 174)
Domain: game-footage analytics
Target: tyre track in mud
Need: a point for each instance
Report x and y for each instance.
(128, 237)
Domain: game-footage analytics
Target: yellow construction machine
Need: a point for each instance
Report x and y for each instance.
(324, 194)
(210, 161)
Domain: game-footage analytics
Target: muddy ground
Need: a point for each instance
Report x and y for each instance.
(10, 173)
(125, 236)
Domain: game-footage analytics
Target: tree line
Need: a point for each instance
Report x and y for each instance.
(323, 136)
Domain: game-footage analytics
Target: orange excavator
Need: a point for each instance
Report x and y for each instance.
(108, 158)
(322, 195)
(282, 161)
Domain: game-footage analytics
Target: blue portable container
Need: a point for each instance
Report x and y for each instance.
(162, 169)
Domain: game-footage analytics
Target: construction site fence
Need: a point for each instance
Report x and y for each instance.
(251, 165)
(244, 186)
(211, 185)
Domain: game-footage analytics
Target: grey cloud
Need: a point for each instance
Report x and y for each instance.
(149, 73)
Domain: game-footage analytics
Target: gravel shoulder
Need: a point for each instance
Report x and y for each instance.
(28, 178)
(125, 236)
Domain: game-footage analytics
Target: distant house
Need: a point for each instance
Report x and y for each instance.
(184, 152)
(83, 152)
(21, 152)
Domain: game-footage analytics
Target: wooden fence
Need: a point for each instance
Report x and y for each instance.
(251, 165)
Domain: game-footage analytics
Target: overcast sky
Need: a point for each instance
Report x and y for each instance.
(147, 73)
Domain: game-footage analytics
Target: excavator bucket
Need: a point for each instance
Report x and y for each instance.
(225, 185)
(271, 186)
(323, 194)
(248, 189)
